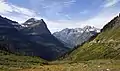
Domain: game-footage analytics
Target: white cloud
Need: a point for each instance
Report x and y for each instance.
(98, 21)
(15, 12)
(4, 8)
(52, 7)
(110, 3)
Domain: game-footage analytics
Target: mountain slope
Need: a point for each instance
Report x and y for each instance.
(35, 40)
(38, 32)
(77, 36)
(105, 46)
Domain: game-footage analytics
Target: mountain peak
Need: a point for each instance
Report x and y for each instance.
(37, 25)
(87, 27)
(42, 20)
(29, 21)
(34, 22)
(91, 28)
(112, 24)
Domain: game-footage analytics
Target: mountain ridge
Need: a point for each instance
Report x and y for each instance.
(77, 36)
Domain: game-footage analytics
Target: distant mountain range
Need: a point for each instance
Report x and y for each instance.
(31, 38)
(77, 36)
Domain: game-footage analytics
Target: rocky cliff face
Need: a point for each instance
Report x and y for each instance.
(34, 39)
(77, 36)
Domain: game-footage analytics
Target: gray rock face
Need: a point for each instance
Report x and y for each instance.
(77, 36)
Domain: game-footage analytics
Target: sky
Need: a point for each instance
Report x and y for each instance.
(60, 14)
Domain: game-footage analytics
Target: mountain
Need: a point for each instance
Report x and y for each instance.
(105, 46)
(10, 34)
(39, 33)
(77, 36)
(33, 40)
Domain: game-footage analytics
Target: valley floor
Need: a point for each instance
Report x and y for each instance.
(94, 65)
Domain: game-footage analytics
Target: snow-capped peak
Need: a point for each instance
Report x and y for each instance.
(91, 28)
(77, 36)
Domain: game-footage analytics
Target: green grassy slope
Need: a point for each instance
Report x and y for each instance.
(12, 62)
(93, 65)
(105, 46)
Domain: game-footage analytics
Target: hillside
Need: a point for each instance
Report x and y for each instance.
(105, 46)
(9, 61)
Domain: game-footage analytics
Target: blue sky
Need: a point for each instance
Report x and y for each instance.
(60, 14)
(62, 9)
